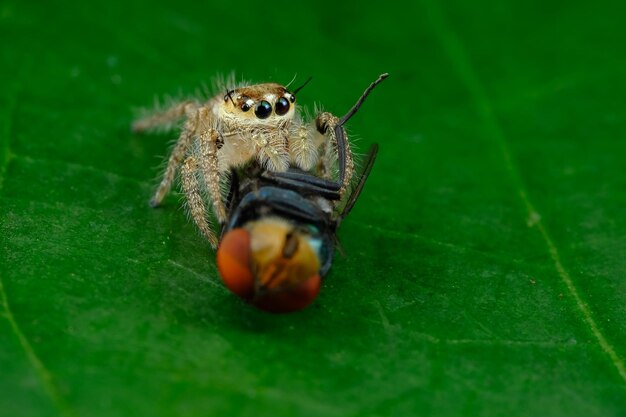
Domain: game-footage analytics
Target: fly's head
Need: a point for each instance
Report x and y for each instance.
(271, 264)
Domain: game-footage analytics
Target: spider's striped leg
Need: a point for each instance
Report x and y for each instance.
(335, 148)
(208, 164)
(176, 157)
(195, 202)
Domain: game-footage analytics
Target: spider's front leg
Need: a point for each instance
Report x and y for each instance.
(192, 192)
(210, 140)
(334, 147)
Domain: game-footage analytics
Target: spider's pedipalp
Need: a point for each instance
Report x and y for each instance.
(303, 150)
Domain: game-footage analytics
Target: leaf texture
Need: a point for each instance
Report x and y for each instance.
(485, 259)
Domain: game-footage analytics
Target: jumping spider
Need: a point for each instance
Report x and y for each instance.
(248, 123)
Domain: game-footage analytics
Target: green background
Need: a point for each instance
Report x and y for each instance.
(485, 268)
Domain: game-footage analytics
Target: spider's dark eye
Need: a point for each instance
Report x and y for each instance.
(245, 107)
(263, 110)
(282, 106)
(292, 98)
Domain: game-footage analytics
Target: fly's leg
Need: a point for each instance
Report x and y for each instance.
(332, 127)
(194, 199)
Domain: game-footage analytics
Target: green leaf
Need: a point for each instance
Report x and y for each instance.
(485, 260)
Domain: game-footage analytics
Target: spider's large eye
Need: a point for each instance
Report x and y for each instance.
(282, 106)
(263, 110)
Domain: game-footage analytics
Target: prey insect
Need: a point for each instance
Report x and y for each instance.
(247, 124)
(280, 236)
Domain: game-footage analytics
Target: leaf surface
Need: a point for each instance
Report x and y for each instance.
(485, 259)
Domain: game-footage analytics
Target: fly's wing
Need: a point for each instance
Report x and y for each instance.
(361, 178)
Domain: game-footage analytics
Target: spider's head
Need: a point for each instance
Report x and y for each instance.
(265, 104)
(271, 264)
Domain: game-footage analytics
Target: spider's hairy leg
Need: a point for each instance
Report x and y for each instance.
(326, 125)
(178, 153)
(208, 141)
(194, 199)
(326, 160)
(165, 118)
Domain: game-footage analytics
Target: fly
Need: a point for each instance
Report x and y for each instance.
(280, 235)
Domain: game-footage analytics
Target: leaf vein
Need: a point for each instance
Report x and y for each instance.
(42, 372)
(459, 58)
(197, 274)
(40, 369)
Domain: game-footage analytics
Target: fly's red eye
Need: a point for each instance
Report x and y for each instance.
(233, 262)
